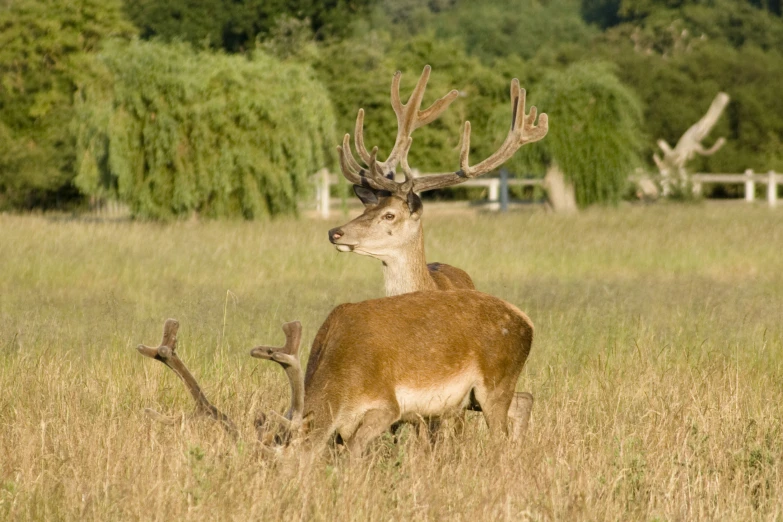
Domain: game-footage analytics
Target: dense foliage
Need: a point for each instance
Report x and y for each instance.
(665, 59)
(45, 51)
(595, 134)
(174, 131)
(676, 60)
(235, 25)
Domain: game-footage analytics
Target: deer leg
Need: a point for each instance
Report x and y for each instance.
(495, 406)
(519, 414)
(427, 430)
(374, 423)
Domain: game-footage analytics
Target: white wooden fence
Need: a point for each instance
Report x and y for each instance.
(497, 193)
(749, 179)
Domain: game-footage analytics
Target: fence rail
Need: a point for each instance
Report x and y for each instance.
(497, 193)
(772, 179)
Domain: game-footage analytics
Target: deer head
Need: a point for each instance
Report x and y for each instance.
(390, 227)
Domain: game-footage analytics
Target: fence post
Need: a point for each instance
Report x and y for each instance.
(772, 188)
(697, 189)
(503, 190)
(750, 186)
(494, 189)
(322, 192)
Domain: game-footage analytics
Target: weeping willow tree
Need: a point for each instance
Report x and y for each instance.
(171, 131)
(594, 132)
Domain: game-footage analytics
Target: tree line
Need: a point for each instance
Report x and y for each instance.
(224, 107)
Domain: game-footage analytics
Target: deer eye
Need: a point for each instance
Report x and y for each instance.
(388, 217)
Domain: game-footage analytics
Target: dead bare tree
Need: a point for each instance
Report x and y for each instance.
(674, 176)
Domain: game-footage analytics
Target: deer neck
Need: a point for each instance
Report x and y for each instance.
(407, 270)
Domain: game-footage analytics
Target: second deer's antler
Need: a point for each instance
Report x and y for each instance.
(167, 354)
(287, 356)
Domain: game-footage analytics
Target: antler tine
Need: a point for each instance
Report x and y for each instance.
(287, 356)
(348, 164)
(432, 112)
(358, 138)
(372, 176)
(464, 153)
(523, 130)
(412, 106)
(699, 148)
(167, 354)
(518, 99)
(406, 169)
(396, 102)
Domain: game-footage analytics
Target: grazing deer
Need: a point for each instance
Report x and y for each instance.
(415, 355)
(390, 227)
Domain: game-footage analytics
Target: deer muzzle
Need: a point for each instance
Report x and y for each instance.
(335, 235)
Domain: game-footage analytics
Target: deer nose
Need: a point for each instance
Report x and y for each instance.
(335, 234)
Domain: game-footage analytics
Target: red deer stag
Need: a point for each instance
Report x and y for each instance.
(422, 354)
(390, 227)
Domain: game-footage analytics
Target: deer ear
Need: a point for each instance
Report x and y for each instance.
(414, 204)
(366, 195)
(369, 196)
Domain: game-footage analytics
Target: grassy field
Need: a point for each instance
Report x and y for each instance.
(657, 369)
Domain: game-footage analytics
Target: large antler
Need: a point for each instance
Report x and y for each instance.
(167, 354)
(409, 118)
(379, 175)
(523, 130)
(287, 356)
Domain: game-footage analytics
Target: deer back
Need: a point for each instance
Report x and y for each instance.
(449, 277)
(366, 352)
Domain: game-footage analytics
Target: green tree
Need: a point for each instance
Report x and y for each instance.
(491, 29)
(45, 54)
(234, 25)
(595, 130)
(173, 131)
(678, 60)
(603, 13)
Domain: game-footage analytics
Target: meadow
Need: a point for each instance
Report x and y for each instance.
(657, 369)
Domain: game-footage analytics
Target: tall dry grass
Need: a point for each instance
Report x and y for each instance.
(657, 369)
